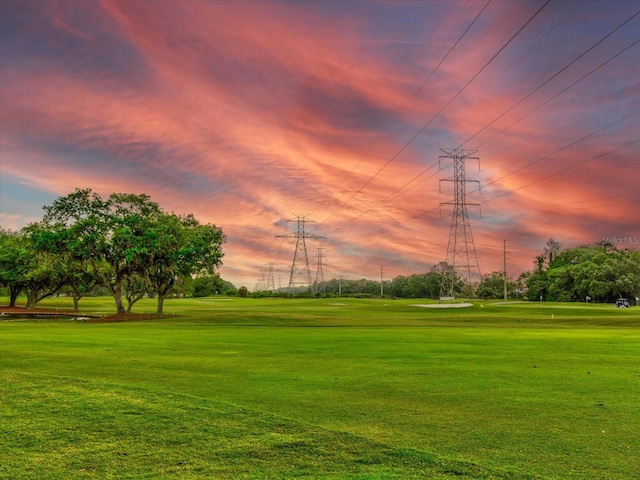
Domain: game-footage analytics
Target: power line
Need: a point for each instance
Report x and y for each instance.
(577, 164)
(517, 103)
(524, 98)
(320, 269)
(433, 209)
(415, 94)
(557, 94)
(423, 128)
(575, 142)
(488, 125)
(449, 102)
(558, 73)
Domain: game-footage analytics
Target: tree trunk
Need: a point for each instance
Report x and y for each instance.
(160, 303)
(162, 294)
(76, 301)
(32, 300)
(117, 296)
(132, 300)
(13, 295)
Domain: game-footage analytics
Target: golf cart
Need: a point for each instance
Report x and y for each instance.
(622, 303)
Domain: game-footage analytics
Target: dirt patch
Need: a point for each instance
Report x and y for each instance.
(4, 310)
(8, 312)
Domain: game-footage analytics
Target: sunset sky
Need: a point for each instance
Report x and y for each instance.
(249, 113)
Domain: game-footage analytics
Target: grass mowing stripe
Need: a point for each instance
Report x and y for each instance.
(82, 429)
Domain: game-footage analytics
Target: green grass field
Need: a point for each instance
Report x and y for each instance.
(328, 388)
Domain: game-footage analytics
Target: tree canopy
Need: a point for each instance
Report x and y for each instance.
(125, 243)
(601, 272)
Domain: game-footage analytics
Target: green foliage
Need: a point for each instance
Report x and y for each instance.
(108, 235)
(601, 272)
(210, 285)
(15, 259)
(127, 244)
(492, 286)
(179, 247)
(427, 285)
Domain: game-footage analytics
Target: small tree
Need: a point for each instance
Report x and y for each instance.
(45, 269)
(492, 286)
(180, 247)
(14, 262)
(207, 285)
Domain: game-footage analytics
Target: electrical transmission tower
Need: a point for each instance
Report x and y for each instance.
(268, 280)
(319, 269)
(461, 251)
(300, 271)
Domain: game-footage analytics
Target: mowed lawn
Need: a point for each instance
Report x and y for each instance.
(328, 388)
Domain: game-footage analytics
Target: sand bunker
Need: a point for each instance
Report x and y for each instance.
(442, 305)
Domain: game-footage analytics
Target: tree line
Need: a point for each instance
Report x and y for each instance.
(125, 244)
(128, 247)
(600, 273)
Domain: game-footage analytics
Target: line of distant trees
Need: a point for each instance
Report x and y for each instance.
(600, 272)
(125, 245)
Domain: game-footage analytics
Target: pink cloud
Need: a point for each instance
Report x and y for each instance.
(248, 113)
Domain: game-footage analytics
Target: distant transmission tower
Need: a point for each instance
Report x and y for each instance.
(268, 280)
(300, 271)
(319, 269)
(461, 251)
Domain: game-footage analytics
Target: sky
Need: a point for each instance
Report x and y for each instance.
(253, 114)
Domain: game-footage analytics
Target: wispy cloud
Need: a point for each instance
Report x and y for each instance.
(246, 113)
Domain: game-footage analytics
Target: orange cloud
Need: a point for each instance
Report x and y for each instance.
(248, 113)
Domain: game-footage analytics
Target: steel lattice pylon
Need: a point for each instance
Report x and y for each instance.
(300, 271)
(320, 270)
(461, 250)
(269, 283)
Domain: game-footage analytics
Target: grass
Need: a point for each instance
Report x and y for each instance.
(353, 389)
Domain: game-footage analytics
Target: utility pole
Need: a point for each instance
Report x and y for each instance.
(340, 285)
(381, 282)
(505, 270)
(300, 271)
(461, 250)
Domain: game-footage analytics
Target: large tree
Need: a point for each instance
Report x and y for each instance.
(109, 235)
(130, 245)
